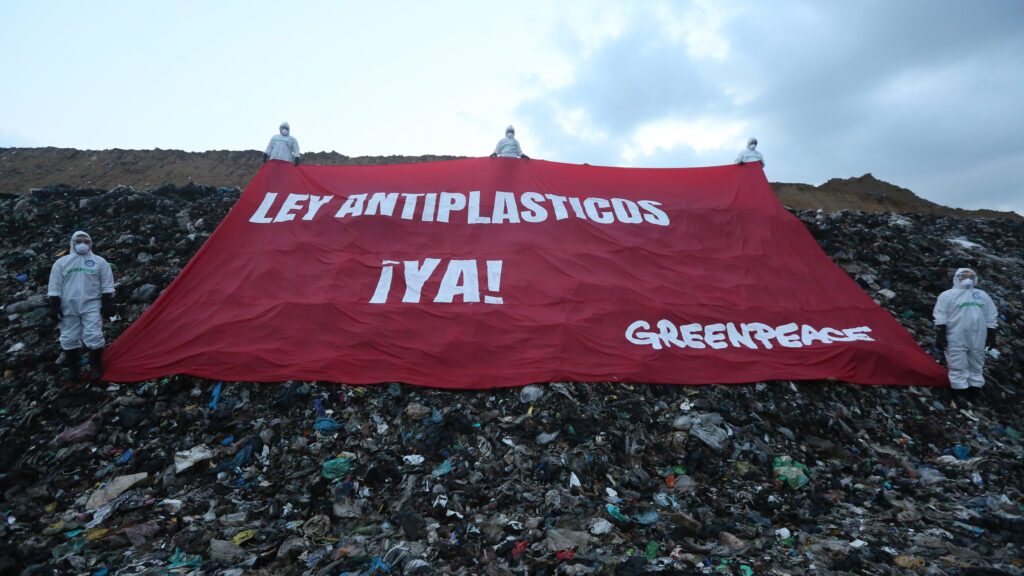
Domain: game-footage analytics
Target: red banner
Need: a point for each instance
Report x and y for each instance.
(495, 272)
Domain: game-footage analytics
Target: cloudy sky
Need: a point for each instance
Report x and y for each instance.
(925, 94)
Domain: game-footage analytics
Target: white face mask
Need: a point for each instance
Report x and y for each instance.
(967, 283)
(284, 131)
(510, 135)
(82, 248)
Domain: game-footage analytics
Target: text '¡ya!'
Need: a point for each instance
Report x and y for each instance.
(507, 207)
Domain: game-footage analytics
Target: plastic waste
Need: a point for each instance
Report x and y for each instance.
(185, 459)
(113, 489)
(336, 468)
(790, 473)
(326, 425)
(84, 431)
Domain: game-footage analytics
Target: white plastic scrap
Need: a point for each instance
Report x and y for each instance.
(185, 459)
(964, 242)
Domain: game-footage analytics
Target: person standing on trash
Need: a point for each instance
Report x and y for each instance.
(750, 154)
(81, 293)
(508, 147)
(965, 323)
(283, 146)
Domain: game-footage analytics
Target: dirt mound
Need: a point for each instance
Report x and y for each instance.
(869, 194)
(22, 169)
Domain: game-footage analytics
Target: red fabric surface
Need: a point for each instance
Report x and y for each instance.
(283, 292)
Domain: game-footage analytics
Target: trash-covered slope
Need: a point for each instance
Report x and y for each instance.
(182, 475)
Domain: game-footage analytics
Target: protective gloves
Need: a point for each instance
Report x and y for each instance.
(494, 154)
(55, 310)
(296, 160)
(940, 337)
(990, 339)
(524, 157)
(107, 305)
(265, 158)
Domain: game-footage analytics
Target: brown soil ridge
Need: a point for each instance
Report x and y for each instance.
(22, 169)
(869, 194)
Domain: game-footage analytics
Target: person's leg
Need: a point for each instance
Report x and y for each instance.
(976, 367)
(73, 364)
(92, 335)
(71, 342)
(956, 363)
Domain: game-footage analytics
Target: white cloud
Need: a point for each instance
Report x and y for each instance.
(699, 26)
(703, 135)
(578, 124)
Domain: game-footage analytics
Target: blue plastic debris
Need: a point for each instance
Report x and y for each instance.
(326, 425)
(216, 396)
(962, 452)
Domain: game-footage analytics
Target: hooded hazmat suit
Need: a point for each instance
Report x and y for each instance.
(966, 314)
(508, 146)
(283, 146)
(80, 281)
(750, 153)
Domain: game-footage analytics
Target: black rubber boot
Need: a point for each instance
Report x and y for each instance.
(73, 364)
(96, 364)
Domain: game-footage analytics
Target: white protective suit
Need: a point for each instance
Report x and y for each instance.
(283, 146)
(509, 146)
(80, 280)
(750, 153)
(967, 314)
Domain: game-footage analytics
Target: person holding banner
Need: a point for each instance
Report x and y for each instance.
(965, 323)
(283, 147)
(81, 293)
(750, 154)
(508, 146)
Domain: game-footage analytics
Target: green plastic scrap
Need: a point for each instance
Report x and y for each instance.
(746, 570)
(613, 510)
(73, 546)
(336, 468)
(793, 474)
(743, 467)
(443, 468)
(181, 560)
(652, 550)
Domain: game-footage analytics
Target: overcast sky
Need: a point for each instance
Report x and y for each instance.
(925, 94)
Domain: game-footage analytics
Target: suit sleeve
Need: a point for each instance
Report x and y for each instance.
(106, 279)
(56, 285)
(941, 310)
(991, 314)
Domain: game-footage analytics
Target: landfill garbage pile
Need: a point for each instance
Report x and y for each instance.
(187, 476)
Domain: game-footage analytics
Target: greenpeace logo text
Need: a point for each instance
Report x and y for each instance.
(752, 335)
